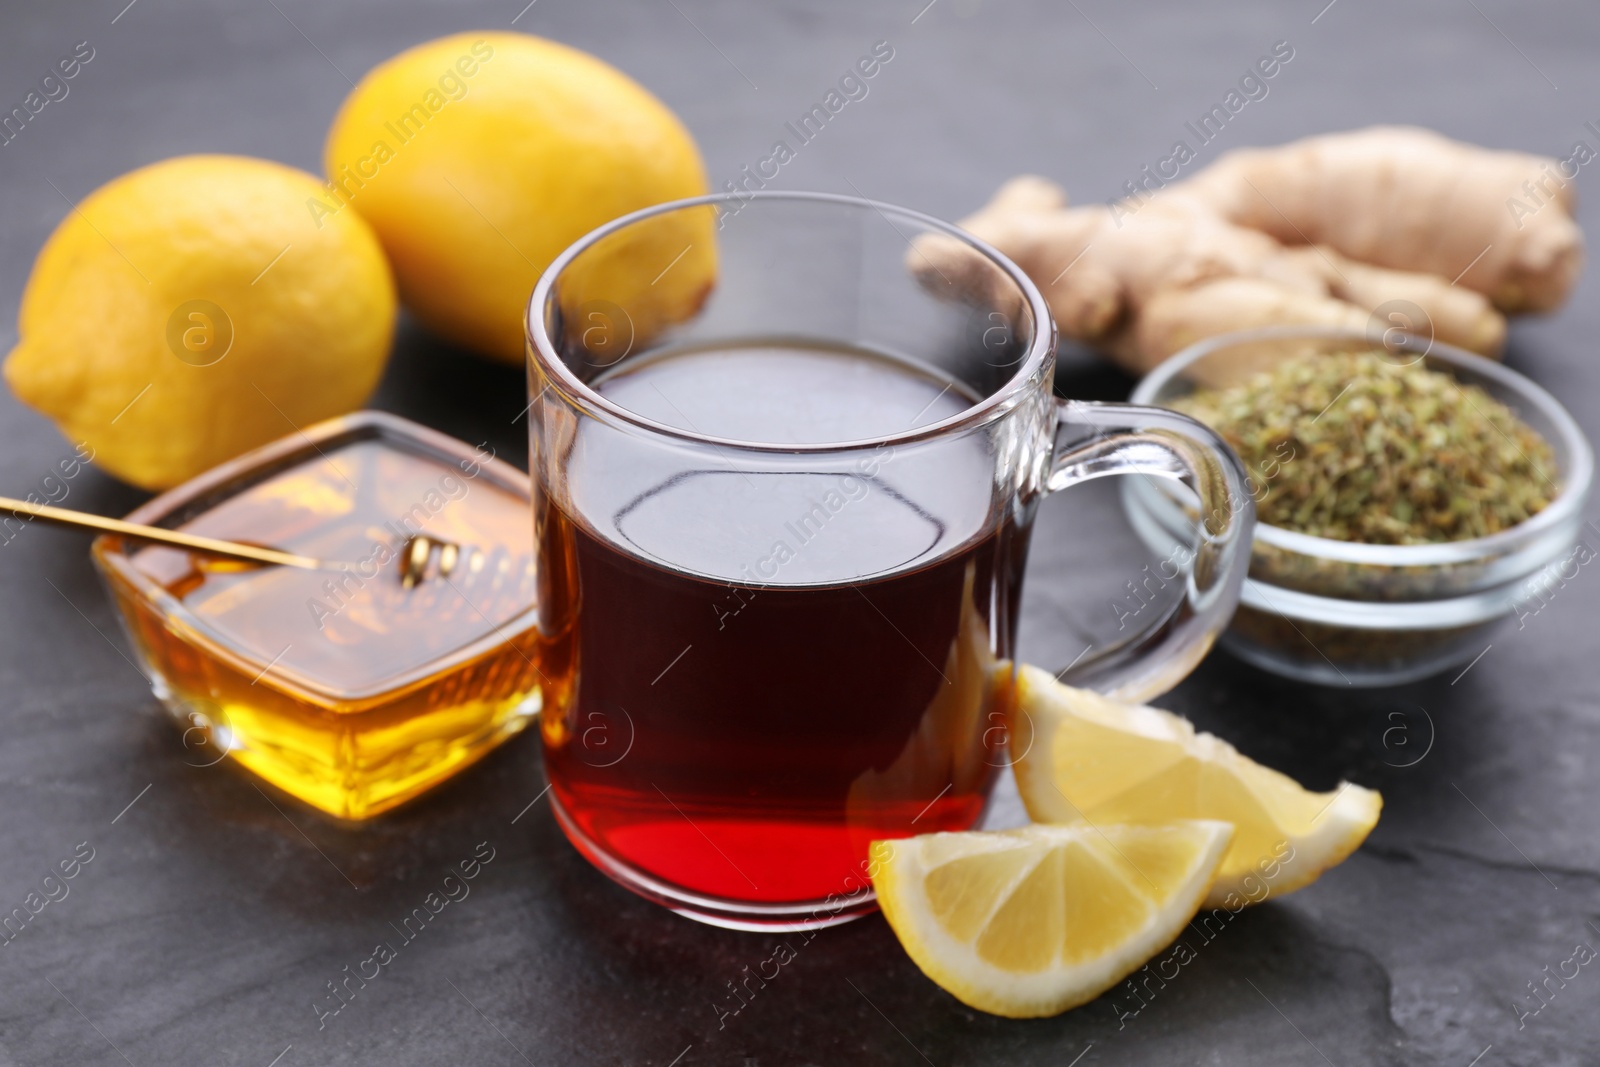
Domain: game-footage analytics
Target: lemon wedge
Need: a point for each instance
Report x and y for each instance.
(1030, 922)
(1087, 759)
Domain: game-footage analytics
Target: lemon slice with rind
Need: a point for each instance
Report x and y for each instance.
(1030, 922)
(1090, 759)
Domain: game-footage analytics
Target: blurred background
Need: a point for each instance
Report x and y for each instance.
(206, 935)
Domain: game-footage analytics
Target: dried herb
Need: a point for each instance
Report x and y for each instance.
(1358, 448)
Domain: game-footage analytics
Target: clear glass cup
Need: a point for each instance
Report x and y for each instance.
(787, 449)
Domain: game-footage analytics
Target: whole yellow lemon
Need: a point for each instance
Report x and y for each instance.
(479, 157)
(192, 310)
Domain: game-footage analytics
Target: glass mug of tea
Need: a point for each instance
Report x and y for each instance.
(786, 452)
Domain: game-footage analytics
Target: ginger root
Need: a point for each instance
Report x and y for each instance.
(1377, 221)
(1411, 199)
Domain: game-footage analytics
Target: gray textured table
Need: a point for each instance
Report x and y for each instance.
(208, 923)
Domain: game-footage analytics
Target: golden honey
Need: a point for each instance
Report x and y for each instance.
(343, 688)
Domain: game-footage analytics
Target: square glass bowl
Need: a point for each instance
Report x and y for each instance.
(342, 687)
(1342, 613)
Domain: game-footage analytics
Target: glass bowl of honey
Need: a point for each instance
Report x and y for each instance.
(345, 687)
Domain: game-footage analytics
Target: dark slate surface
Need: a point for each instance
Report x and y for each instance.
(208, 922)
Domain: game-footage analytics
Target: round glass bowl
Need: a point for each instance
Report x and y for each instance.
(1342, 613)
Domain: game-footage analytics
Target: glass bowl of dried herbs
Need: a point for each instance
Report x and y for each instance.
(1411, 497)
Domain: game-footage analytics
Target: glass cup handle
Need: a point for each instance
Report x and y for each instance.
(1093, 440)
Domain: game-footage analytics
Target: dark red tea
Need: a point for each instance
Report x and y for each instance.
(770, 668)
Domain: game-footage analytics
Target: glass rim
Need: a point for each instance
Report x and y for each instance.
(556, 372)
(1568, 501)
